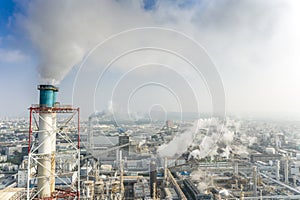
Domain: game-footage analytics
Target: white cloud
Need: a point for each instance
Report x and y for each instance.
(12, 56)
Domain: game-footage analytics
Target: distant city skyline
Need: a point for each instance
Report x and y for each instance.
(251, 45)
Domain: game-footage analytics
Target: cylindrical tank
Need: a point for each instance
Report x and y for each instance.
(286, 171)
(99, 187)
(254, 180)
(277, 168)
(89, 188)
(236, 168)
(242, 196)
(47, 142)
(115, 187)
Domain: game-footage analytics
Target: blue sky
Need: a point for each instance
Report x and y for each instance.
(6, 10)
(17, 73)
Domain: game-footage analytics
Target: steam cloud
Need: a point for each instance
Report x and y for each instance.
(201, 177)
(205, 138)
(63, 31)
(203, 144)
(179, 143)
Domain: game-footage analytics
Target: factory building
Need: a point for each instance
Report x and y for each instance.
(264, 157)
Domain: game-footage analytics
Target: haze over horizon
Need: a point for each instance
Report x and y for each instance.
(247, 52)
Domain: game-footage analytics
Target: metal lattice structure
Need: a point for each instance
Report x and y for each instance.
(62, 166)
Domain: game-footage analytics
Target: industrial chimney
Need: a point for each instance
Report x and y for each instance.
(42, 154)
(47, 140)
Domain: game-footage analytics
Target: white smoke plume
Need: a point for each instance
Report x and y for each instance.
(242, 38)
(200, 177)
(241, 150)
(205, 145)
(179, 143)
(63, 31)
(216, 136)
(110, 107)
(227, 137)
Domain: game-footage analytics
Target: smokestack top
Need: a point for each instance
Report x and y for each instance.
(48, 87)
(48, 94)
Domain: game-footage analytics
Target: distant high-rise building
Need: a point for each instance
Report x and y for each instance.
(169, 124)
(124, 139)
(153, 178)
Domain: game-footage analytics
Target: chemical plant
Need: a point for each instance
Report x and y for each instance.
(209, 158)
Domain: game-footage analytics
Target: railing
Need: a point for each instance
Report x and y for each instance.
(56, 105)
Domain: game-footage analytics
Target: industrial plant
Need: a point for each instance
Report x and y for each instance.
(149, 100)
(66, 158)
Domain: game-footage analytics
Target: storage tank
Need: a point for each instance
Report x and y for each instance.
(99, 187)
(277, 167)
(89, 188)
